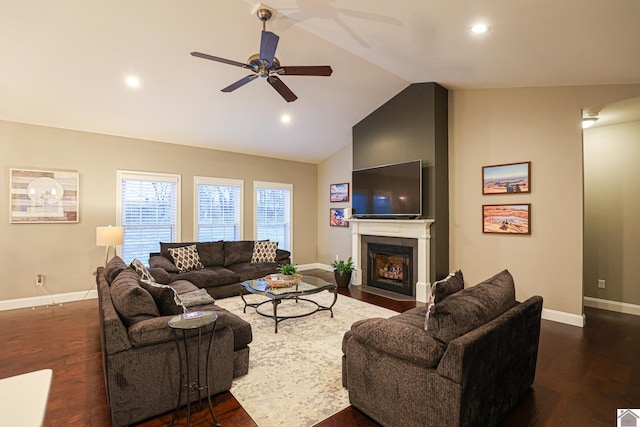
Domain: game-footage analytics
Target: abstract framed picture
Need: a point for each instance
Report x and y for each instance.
(512, 178)
(39, 196)
(336, 218)
(506, 219)
(339, 192)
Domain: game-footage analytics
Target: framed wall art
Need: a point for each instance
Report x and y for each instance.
(39, 196)
(336, 218)
(506, 219)
(510, 178)
(339, 192)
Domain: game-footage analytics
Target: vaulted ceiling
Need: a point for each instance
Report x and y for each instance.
(64, 62)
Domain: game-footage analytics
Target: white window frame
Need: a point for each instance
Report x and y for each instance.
(228, 182)
(149, 176)
(276, 186)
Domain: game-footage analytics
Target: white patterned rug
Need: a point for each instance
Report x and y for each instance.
(295, 376)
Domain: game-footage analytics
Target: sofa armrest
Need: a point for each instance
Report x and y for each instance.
(282, 256)
(160, 275)
(398, 339)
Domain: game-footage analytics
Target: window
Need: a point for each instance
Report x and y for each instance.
(149, 212)
(218, 209)
(273, 212)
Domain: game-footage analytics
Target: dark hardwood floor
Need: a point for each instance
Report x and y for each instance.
(583, 374)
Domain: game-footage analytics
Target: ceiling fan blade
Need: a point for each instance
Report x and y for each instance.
(282, 88)
(268, 45)
(217, 59)
(243, 81)
(314, 70)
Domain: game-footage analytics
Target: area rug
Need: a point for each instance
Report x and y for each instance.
(295, 376)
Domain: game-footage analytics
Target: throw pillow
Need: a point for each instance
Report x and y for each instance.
(451, 284)
(165, 296)
(186, 258)
(195, 298)
(142, 271)
(264, 251)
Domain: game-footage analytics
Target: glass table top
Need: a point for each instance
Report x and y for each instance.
(308, 285)
(193, 319)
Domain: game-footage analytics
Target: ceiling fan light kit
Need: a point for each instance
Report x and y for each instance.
(265, 64)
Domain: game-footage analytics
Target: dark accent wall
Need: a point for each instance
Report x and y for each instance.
(414, 125)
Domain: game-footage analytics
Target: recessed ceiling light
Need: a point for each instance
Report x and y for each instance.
(285, 118)
(480, 28)
(133, 81)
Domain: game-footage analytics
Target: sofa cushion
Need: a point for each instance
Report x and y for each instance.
(237, 251)
(209, 276)
(113, 268)
(466, 310)
(186, 258)
(132, 302)
(183, 286)
(211, 253)
(159, 261)
(264, 251)
(400, 339)
(141, 269)
(282, 255)
(253, 270)
(165, 297)
(451, 284)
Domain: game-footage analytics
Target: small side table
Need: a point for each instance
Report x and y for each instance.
(188, 321)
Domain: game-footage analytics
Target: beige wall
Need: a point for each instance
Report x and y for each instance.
(333, 241)
(541, 125)
(612, 209)
(66, 253)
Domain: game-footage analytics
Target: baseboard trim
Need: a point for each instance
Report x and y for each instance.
(620, 307)
(315, 265)
(47, 300)
(563, 317)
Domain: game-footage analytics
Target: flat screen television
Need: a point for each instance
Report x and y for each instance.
(389, 191)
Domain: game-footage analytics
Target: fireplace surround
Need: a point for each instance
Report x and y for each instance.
(415, 233)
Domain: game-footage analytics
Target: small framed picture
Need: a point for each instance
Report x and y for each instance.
(339, 192)
(506, 219)
(512, 178)
(336, 218)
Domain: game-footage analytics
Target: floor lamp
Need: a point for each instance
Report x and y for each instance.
(109, 237)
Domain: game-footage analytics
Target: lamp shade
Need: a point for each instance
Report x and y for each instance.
(109, 236)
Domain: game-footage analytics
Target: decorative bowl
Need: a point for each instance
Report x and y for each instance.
(280, 281)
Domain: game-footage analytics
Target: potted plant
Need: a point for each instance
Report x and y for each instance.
(288, 271)
(342, 271)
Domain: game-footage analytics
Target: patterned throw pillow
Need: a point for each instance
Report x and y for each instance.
(186, 258)
(142, 271)
(264, 251)
(165, 297)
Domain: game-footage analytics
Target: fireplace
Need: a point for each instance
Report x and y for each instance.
(390, 267)
(412, 233)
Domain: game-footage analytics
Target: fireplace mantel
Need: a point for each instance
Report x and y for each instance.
(413, 229)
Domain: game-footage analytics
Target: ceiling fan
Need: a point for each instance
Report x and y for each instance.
(266, 65)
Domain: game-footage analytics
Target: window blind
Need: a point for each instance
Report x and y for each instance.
(149, 214)
(218, 212)
(273, 215)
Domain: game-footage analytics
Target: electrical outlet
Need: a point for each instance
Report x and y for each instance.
(40, 280)
(601, 283)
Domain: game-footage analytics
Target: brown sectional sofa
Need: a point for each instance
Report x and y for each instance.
(226, 265)
(474, 362)
(139, 352)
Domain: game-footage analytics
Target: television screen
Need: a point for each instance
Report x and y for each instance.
(388, 191)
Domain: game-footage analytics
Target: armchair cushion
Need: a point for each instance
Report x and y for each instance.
(472, 307)
(451, 284)
(399, 339)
